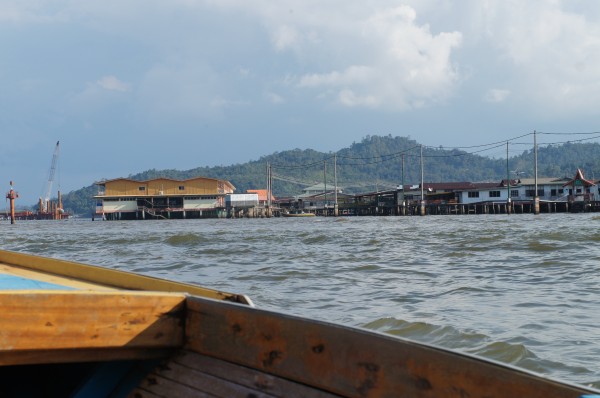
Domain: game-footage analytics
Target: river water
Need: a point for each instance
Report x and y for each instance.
(520, 289)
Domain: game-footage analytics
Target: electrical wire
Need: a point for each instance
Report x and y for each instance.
(371, 160)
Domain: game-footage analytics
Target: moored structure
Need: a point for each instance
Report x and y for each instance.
(11, 196)
(580, 195)
(50, 210)
(129, 199)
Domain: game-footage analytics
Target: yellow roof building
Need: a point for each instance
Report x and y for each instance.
(126, 198)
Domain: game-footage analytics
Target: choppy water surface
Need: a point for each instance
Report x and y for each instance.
(520, 289)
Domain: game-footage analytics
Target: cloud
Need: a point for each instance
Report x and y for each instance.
(284, 37)
(550, 53)
(352, 99)
(352, 54)
(113, 84)
(496, 95)
(385, 60)
(275, 98)
(24, 12)
(97, 96)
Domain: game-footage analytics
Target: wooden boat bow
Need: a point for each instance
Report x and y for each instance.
(87, 331)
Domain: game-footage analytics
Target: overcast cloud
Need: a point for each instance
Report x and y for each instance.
(132, 85)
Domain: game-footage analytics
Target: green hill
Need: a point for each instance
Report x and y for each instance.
(375, 163)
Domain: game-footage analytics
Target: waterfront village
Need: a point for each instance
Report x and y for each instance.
(201, 197)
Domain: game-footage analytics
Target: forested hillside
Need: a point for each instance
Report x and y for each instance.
(375, 163)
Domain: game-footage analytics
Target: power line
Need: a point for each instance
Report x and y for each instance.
(570, 141)
(485, 147)
(292, 180)
(592, 133)
(503, 142)
(464, 153)
(301, 166)
(395, 154)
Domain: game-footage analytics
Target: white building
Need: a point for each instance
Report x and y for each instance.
(549, 189)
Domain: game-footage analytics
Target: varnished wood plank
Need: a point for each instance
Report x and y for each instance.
(251, 378)
(111, 277)
(51, 355)
(207, 383)
(353, 362)
(162, 387)
(43, 320)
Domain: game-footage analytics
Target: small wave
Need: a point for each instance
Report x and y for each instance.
(516, 354)
(505, 352)
(540, 247)
(466, 290)
(457, 254)
(554, 235)
(342, 219)
(223, 252)
(315, 239)
(367, 268)
(119, 241)
(185, 240)
(594, 237)
(444, 336)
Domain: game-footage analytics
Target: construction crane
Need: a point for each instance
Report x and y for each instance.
(44, 205)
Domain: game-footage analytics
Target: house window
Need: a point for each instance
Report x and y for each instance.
(541, 192)
(494, 194)
(474, 194)
(182, 188)
(142, 188)
(553, 192)
(514, 193)
(530, 193)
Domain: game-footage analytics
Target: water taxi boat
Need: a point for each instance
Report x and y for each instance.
(74, 330)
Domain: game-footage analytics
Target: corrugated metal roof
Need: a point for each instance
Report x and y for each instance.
(262, 194)
(165, 178)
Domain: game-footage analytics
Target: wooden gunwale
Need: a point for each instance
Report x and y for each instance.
(353, 362)
(110, 277)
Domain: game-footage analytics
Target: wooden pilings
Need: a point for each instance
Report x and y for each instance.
(421, 209)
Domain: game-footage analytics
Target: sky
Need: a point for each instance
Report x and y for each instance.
(128, 86)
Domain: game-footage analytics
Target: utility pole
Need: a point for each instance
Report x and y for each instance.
(536, 197)
(401, 199)
(269, 188)
(422, 207)
(335, 206)
(325, 188)
(507, 183)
